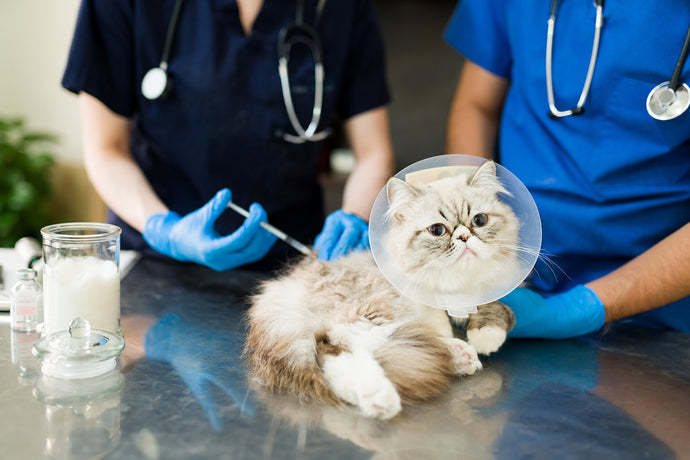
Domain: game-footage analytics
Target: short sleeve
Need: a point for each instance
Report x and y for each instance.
(100, 60)
(365, 83)
(477, 29)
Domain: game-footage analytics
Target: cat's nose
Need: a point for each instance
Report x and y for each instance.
(464, 236)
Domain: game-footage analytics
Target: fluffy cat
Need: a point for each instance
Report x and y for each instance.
(338, 332)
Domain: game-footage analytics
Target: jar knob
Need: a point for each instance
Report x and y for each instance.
(79, 328)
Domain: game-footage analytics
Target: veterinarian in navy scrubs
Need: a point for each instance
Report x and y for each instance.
(589, 104)
(213, 123)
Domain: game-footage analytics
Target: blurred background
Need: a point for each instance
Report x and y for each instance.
(40, 118)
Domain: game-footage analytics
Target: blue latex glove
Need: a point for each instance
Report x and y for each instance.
(342, 233)
(572, 313)
(192, 238)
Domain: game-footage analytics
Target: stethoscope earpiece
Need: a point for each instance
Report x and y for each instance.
(155, 83)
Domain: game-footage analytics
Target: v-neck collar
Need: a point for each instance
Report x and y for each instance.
(270, 18)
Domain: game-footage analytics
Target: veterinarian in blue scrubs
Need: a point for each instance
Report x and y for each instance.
(610, 176)
(167, 159)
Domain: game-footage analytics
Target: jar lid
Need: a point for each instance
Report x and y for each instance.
(79, 352)
(502, 279)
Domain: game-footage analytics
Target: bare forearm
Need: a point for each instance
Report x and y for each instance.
(110, 167)
(124, 189)
(470, 131)
(475, 113)
(369, 137)
(655, 278)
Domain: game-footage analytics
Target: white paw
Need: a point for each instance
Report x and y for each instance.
(486, 339)
(377, 398)
(357, 378)
(464, 357)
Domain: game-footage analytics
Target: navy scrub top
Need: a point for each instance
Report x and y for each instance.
(609, 183)
(218, 125)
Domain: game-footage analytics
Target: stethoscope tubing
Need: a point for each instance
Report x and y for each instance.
(554, 112)
(170, 34)
(310, 38)
(156, 82)
(666, 101)
(680, 63)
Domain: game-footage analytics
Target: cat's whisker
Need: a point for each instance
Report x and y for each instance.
(551, 266)
(518, 249)
(525, 254)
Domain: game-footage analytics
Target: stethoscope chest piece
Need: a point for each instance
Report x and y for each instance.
(155, 83)
(664, 103)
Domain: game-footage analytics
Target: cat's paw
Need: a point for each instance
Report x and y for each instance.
(378, 398)
(358, 379)
(486, 339)
(464, 357)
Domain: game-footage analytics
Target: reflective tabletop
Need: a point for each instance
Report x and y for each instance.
(181, 391)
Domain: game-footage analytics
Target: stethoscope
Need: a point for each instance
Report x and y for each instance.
(157, 83)
(665, 102)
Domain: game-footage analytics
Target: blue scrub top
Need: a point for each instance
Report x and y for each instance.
(218, 125)
(612, 182)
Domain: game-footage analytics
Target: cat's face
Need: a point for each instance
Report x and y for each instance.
(454, 233)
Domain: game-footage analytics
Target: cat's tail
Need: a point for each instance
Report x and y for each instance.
(418, 363)
(284, 358)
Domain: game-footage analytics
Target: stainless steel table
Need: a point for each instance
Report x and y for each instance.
(181, 391)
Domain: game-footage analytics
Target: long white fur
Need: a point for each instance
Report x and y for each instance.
(359, 313)
(356, 376)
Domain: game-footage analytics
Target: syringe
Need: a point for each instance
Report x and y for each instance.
(280, 234)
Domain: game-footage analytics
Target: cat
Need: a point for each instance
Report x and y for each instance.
(338, 332)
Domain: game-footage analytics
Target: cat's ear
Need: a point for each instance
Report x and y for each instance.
(400, 194)
(485, 177)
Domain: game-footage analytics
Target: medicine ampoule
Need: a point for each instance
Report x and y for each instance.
(26, 305)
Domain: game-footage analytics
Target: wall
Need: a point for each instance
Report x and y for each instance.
(423, 71)
(34, 41)
(35, 36)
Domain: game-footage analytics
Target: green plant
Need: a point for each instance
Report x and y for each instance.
(25, 180)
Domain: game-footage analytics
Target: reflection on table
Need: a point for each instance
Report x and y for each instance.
(181, 391)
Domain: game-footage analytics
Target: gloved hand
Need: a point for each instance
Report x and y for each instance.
(342, 233)
(569, 314)
(192, 238)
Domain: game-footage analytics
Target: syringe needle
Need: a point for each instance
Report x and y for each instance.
(280, 234)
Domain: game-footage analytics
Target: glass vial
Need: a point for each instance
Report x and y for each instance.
(26, 302)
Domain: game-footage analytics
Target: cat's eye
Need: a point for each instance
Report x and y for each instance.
(436, 229)
(480, 220)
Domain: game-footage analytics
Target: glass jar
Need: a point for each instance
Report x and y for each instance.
(81, 276)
